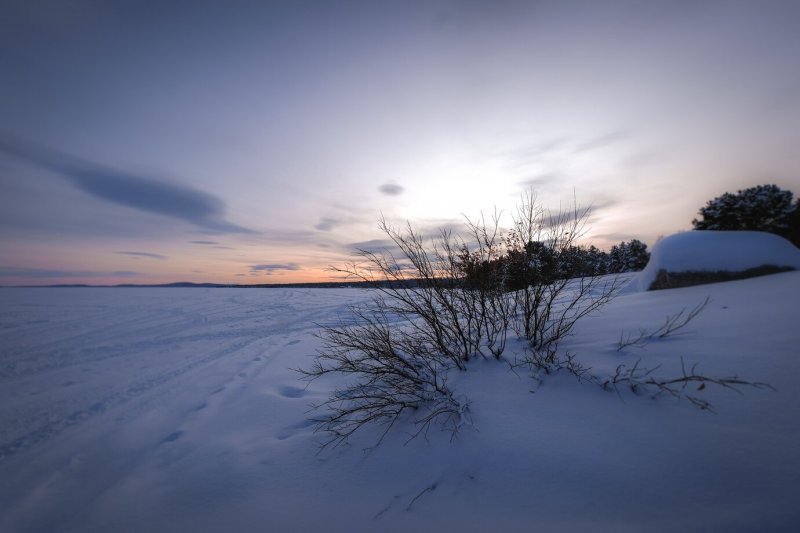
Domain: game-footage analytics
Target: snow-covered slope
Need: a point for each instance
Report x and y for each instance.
(717, 250)
(176, 410)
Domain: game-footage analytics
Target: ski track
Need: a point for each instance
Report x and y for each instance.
(116, 352)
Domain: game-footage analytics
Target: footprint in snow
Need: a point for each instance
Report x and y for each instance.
(292, 430)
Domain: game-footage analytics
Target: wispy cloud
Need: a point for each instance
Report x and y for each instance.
(273, 267)
(146, 194)
(143, 254)
(602, 141)
(327, 224)
(143, 193)
(391, 189)
(213, 244)
(16, 272)
(566, 215)
(525, 155)
(544, 180)
(616, 237)
(374, 245)
(287, 236)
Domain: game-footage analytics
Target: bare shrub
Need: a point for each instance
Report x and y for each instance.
(442, 302)
(436, 307)
(458, 315)
(548, 300)
(391, 371)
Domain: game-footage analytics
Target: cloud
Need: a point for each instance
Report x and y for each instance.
(327, 224)
(143, 193)
(143, 254)
(284, 236)
(430, 230)
(582, 213)
(213, 244)
(644, 158)
(391, 189)
(275, 267)
(374, 245)
(533, 153)
(602, 141)
(543, 180)
(616, 237)
(162, 198)
(14, 272)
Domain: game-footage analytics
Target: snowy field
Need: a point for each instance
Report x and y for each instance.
(176, 410)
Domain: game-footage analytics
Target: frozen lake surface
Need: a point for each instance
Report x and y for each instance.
(177, 410)
(94, 382)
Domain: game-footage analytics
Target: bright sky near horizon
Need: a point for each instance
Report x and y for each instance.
(259, 142)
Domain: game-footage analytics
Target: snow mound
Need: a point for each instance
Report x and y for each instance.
(711, 251)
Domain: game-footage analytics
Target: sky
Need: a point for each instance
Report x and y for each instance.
(260, 142)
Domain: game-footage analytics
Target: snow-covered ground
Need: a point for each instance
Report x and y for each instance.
(176, 410)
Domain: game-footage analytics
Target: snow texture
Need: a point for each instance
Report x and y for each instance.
(732, 251)
(141, 410)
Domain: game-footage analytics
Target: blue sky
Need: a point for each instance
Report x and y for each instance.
(260, 141)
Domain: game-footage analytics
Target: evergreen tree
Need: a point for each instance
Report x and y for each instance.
(763, 208)
(628, 256)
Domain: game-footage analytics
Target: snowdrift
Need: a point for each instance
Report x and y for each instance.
(717, 251)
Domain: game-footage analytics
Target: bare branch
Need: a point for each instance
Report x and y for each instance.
(672, 324)
(643, 380)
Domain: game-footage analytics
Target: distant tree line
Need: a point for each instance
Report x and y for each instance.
(536, 262)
